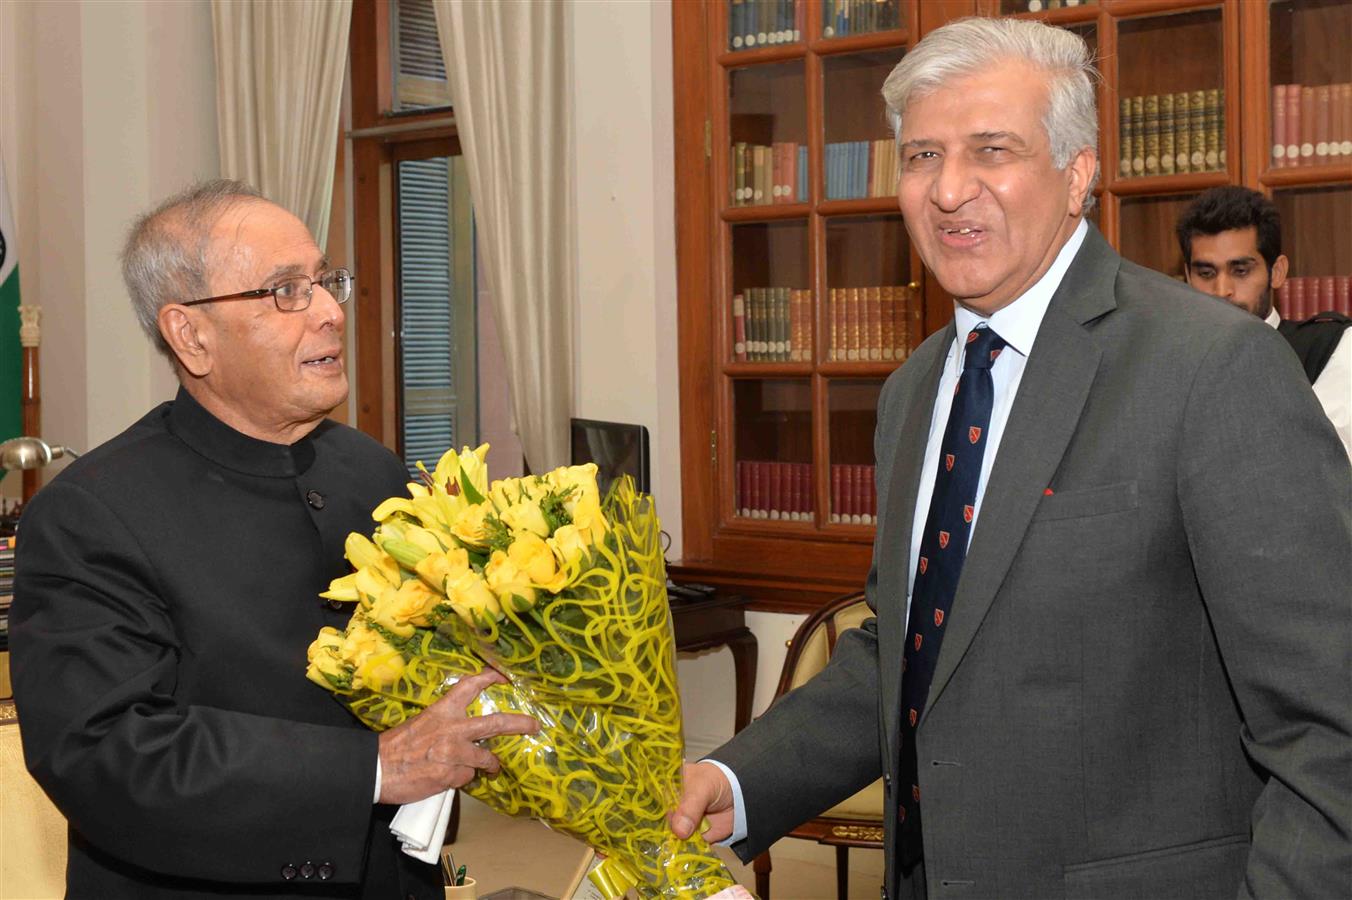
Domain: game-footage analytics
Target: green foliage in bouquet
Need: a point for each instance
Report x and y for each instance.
(564, 595)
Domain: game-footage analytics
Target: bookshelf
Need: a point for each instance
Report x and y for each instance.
(810, 411)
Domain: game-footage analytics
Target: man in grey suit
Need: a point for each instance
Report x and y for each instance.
(1111, 575)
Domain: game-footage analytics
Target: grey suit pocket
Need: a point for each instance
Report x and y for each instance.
(1079, 504)
(1212, 868)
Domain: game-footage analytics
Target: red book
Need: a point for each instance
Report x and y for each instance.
(1298, 312)
(1327, 292)
(1293, 124)
(851, 502)
(1345, 92)
(1342, 294)
(785, 479)
(1323, 111)
(757, 471)
(871, 494)
(805, 490)
(1308, 118)
(837, 493)
(1284, 299)
(1278, 126)
(743, 501)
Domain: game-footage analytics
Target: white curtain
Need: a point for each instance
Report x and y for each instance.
(507, 67)
(279, 89)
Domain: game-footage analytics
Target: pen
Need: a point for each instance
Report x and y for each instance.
(459, 876)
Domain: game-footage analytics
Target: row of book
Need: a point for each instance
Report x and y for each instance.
(766, 175)
(774, 490)
(6, 587)
(764, 23)
(1303, 296)
(772, 324)
(861, 169)
(854, 501)
(872, 324)
(1311, 125)
(842, 18)
(1014, 6)
(1164, 134)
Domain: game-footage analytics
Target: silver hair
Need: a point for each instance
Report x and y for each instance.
(165, 258)
(971, 45)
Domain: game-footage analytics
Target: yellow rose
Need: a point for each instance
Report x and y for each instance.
(370, 583)
(326, 668)
(374, 661)
(532, 555)
(569, 544)
(437, 567)
(472, 599)
(582, 480)
(511, 491)
(525, 518)
(589, 519)
(398, 610)
(509, 582)
(470, 526)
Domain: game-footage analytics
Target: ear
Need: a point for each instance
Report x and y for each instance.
(1277, 277)
(185, 333)
(1081, 171)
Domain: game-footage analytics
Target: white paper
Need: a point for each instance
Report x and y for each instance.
(421, 826)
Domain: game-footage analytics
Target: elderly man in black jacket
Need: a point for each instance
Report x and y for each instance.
(167, 590)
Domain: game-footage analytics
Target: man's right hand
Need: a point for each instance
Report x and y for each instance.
(438, 748)
(707, 794)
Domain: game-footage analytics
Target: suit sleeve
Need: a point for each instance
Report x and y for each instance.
(1266, 497)
(183, 790)
(819, 744)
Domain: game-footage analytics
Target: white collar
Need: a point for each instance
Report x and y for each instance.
(1274, 318)
(1018, 322)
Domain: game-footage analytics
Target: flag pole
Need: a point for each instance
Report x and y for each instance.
(30, 336)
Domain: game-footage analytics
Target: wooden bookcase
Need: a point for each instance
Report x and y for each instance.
(819, 90)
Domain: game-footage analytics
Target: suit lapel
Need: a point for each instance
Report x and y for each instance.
(1056, 383)
(894, 541)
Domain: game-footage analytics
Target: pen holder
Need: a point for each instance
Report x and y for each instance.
(466, 891)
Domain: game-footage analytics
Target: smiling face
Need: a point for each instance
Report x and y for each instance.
(271, 374)
(984, 205)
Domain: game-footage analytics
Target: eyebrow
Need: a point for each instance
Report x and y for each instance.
(1229, 262)
(975, 138)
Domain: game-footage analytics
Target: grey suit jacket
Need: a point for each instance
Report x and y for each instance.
(1146, 686)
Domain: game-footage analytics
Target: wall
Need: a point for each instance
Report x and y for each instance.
(87, 145)
(627, 366)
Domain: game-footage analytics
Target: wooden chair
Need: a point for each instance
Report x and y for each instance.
(32, 830)
(857, 822)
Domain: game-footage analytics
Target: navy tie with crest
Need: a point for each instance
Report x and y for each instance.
(943, 548)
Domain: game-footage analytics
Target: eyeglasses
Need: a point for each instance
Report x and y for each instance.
(294, 292)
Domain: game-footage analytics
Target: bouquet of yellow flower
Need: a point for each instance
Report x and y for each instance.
(565, 595)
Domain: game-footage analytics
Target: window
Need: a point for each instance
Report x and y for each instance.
(428, 363)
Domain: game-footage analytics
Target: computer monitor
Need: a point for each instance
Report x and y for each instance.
(616, 448)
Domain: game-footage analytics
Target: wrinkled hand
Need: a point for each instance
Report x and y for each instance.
(437, 749)
(707, 794)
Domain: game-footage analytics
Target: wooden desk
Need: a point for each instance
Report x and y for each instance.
(716, 622)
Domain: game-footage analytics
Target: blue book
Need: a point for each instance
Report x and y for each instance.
(861, 169)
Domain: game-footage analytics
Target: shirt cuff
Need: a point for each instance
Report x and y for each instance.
(376, 798)
(738, 807)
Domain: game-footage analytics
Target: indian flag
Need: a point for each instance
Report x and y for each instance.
(11, 355)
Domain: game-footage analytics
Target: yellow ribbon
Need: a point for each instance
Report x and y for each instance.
(613, 877)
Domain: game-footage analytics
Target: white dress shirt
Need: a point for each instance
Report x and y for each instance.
(1333, 387)
(1018, 324)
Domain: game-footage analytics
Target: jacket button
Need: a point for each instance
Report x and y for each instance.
(887, 781)
(307, 871)
(325, 871)
(332, 604)
(288, 872)
(884, 892)
(315, 499)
